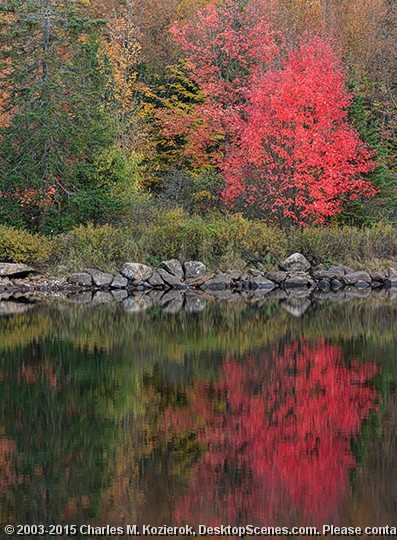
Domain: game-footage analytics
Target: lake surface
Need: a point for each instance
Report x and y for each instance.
(234, 413)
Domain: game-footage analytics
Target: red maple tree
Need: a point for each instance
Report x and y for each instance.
(279, 116)
(276, 434)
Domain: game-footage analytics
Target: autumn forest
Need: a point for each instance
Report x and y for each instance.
(125, 115)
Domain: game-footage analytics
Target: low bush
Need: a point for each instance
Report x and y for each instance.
(21, 246)
(103, 247)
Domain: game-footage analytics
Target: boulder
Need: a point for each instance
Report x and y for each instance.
(156, 280)
(353, 277)
(100, 279)
(277, 276)
(194, 269)
(335, 272)
(378, 276)
(168, 278)
(295, 263)
(219, 282)
(299, 280)
(260, 282)
(198, 281)
(15, 270)
(136, 272)
(119, 282)
(391, 280)
(82, 278)
(173, 267)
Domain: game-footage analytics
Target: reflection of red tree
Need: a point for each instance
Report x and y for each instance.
(277, 436)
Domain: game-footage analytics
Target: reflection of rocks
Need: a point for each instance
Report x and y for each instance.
(81, 298)
(136, 303)
(119, 295)
(195, 303)
(296, 306)
(101, 297)
(14, 308)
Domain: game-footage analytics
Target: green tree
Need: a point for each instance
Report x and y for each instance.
(57, 83)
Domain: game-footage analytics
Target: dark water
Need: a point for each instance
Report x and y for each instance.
(239, 414)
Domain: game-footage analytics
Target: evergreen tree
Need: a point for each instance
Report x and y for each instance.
(54, 84)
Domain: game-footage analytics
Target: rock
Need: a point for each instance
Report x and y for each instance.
(119, 282)
(299, 280)
(15, 270)
(353, 277)
(391, 280)
(260, 282)
(168, 278)
(277, 276)
(5, 282)
(198, 281)
(194, 269)
(174, 306)
(341, 268)
(136, 303)
(156, 280)
(195, 303)
(376, 284)
(378, 276)
(296, 306)
(234, 274)
(83, 279)
(173, 267)
(136, 272)
(119, 295)
(295, 263)
(219, 282)
(335, 273)
(100, 279)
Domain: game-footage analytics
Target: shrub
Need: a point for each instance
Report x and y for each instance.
(103, 247)
(22, 246)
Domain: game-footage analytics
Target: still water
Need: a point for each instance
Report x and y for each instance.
(239, 413)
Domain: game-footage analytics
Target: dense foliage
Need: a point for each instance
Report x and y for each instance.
(214, 106)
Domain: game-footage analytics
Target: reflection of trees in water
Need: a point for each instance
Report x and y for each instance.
(276, 435)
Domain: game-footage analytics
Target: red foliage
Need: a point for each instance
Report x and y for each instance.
(277, 437)
(286, 147)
